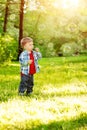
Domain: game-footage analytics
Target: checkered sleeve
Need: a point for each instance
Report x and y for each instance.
(23, 59)
(39, 55)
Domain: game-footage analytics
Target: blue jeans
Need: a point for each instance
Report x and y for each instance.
(26, 84)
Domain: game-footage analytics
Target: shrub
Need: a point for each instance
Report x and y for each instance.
(8, 48)
(70, 49)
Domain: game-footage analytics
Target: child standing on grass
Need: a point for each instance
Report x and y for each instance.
(29, 65)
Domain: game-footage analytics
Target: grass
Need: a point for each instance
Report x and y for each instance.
(59, 100)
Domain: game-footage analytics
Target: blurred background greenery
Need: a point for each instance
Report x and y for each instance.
(58, 27)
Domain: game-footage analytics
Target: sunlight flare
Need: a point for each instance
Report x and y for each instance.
(66, 4)
(70, 3)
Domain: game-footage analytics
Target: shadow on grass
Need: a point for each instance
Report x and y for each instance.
(8, 90)
(9, 93)
(4, 97)
(76, 59)
(62, 94)
(73, 124)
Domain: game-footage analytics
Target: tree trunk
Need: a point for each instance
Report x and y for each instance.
(6, 17)
(21, 26)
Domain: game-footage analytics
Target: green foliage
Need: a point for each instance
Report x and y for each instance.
(8, 48)
(41, 26)
(69, 49)
(47, 24)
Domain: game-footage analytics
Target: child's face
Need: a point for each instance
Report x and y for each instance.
(29, 46)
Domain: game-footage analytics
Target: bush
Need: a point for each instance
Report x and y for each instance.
(8, 48)
(70, 49)
(83, 52)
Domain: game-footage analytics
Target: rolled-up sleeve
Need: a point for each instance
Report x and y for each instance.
(39, 55)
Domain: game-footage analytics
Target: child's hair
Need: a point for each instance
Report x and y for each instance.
(26, 40)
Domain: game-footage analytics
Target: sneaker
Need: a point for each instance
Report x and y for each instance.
(28, 94)
(21, 94)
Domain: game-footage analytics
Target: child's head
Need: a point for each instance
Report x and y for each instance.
(27, 43)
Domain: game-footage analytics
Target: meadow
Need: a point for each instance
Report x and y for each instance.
(59, 100)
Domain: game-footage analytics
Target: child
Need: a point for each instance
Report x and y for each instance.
(29, 65)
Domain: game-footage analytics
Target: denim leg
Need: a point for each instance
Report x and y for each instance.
(23, 84)
(30, 84)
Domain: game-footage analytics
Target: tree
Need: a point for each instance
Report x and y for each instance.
(6, 16)
(21, 25)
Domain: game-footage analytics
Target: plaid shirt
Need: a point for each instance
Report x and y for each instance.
(24, 61)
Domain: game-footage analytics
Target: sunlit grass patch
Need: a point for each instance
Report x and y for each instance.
(59, 100)
(18, 111)
(77, 88)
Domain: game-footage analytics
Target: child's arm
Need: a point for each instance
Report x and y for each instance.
(39, 55)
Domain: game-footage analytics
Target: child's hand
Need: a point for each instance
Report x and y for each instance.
(37, 49)
(30, 61)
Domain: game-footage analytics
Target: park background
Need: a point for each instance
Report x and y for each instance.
(59, 29)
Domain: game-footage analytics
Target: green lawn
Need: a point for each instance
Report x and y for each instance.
(59, 100)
